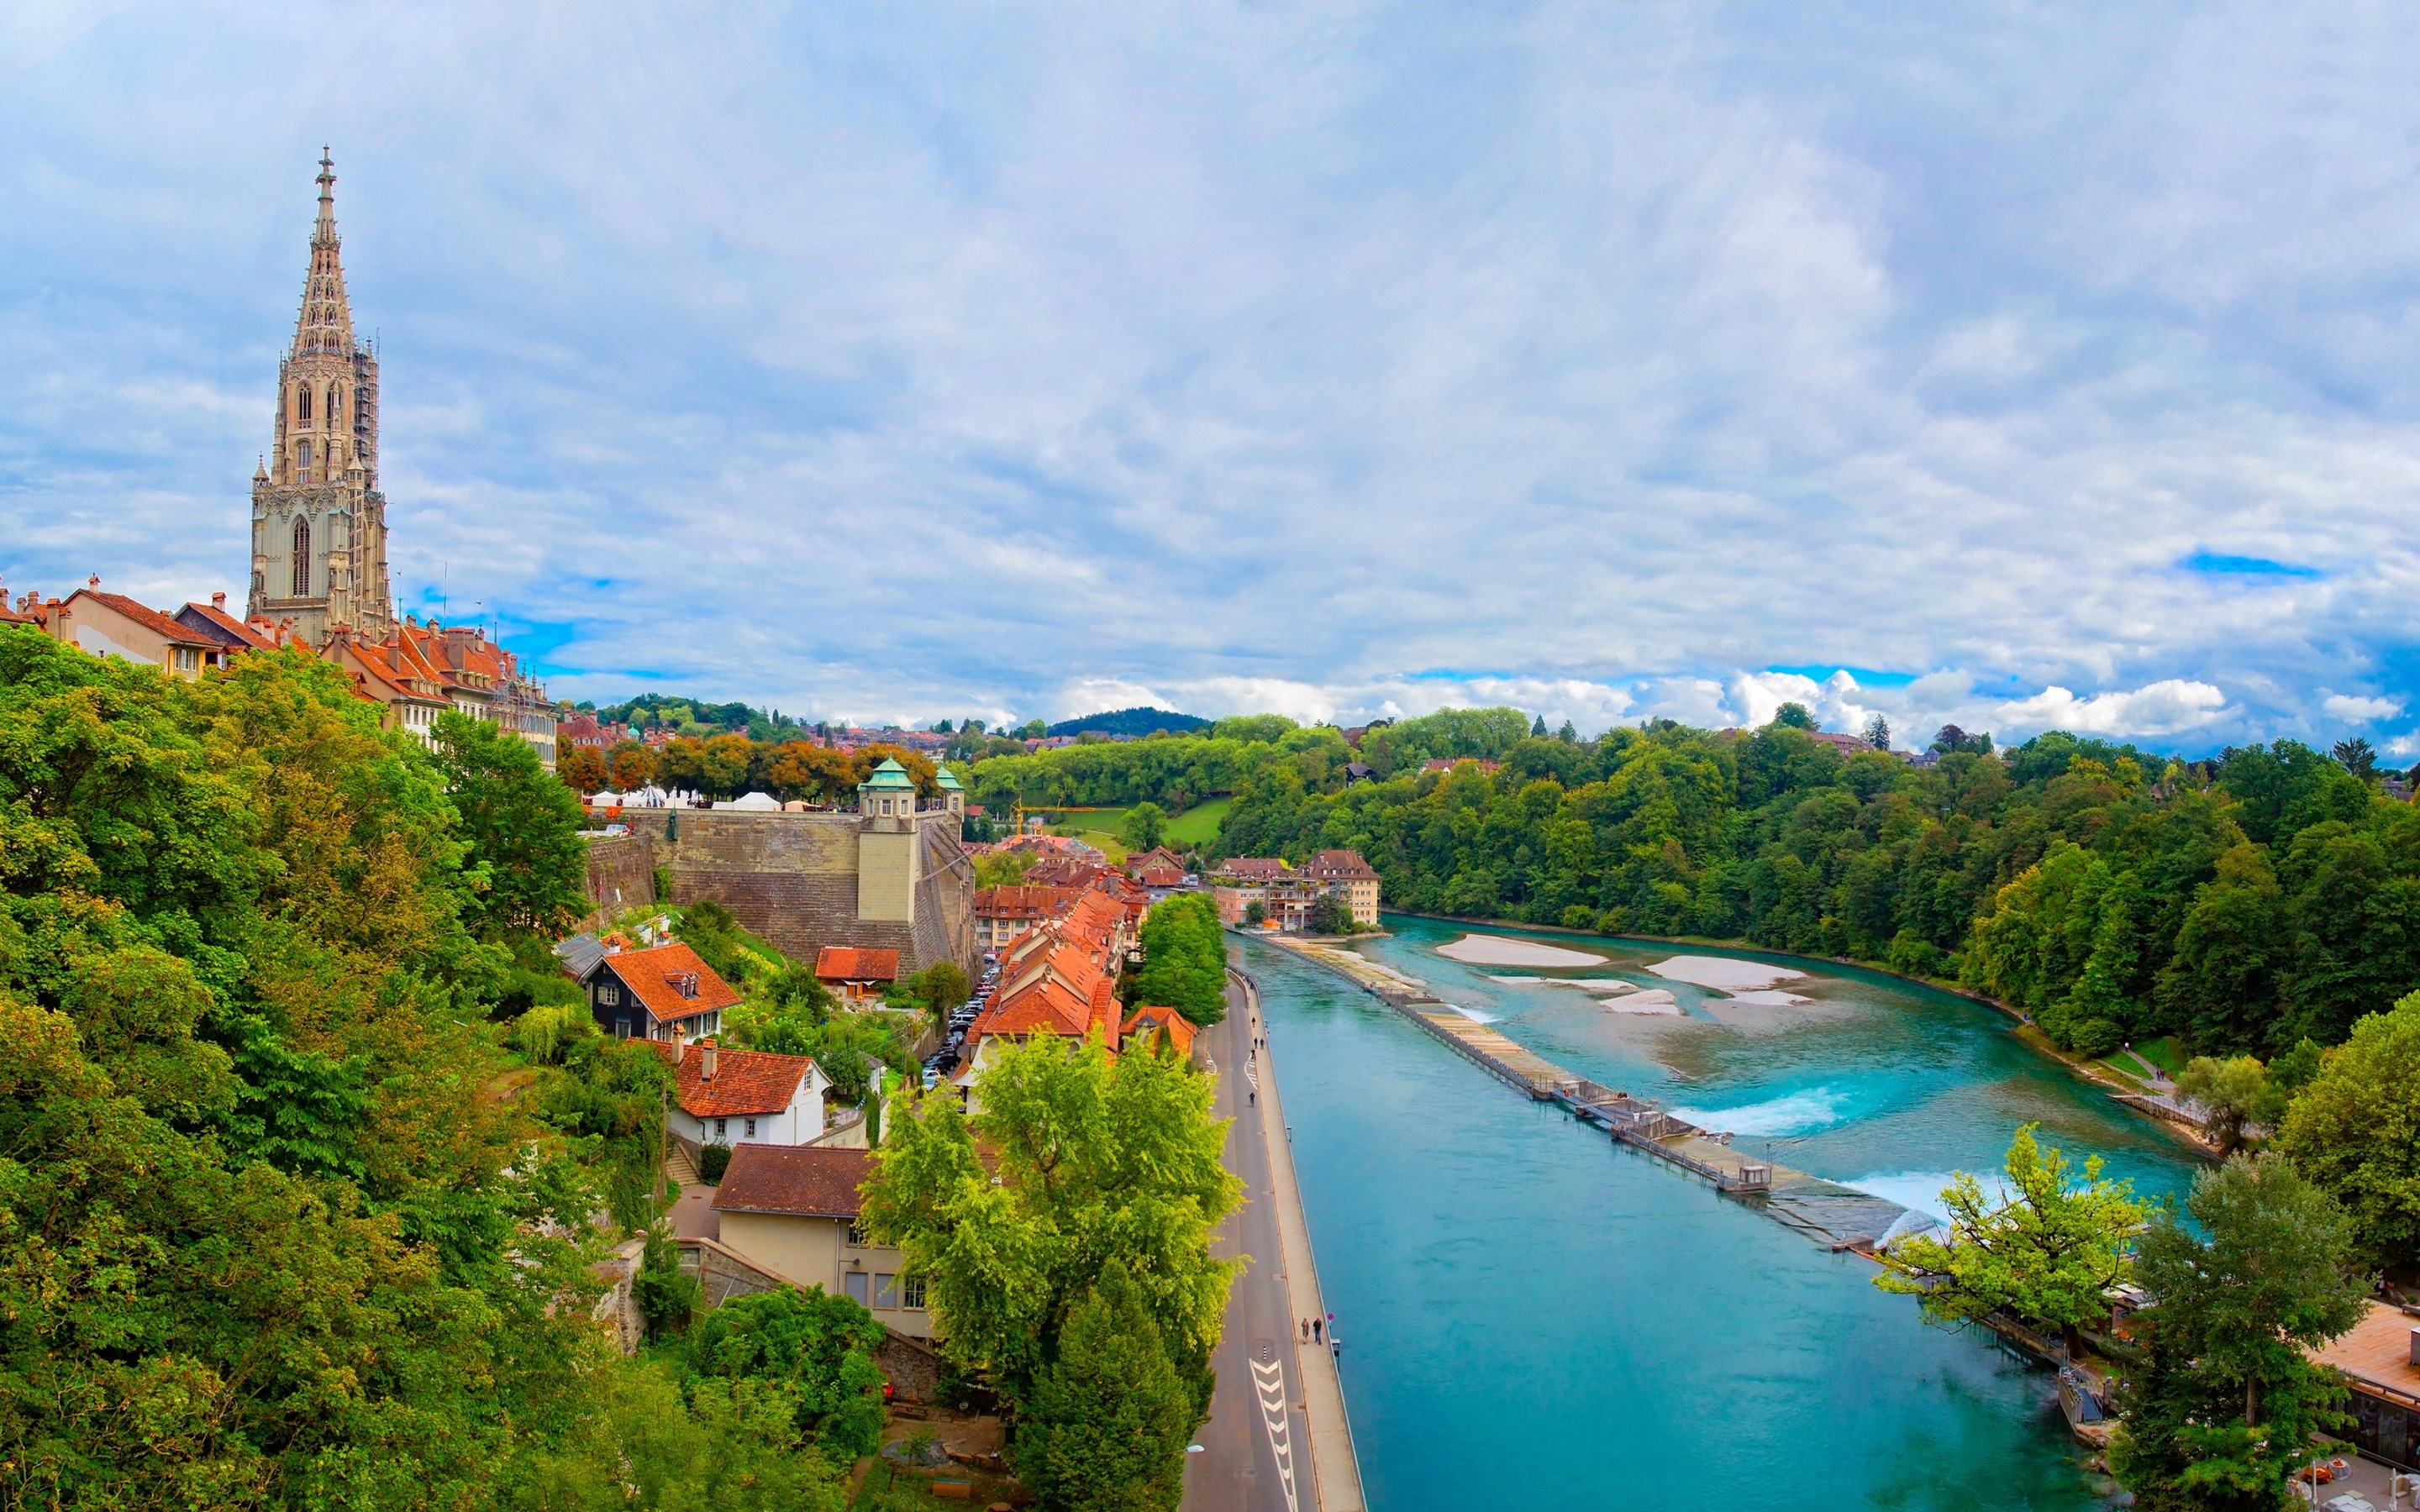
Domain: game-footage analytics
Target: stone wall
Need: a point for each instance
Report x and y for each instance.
(794, 879)
(621, 874)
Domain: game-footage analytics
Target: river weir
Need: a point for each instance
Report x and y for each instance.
(1529, 1323)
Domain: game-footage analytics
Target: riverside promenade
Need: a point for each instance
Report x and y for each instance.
(1836, 1217)
(1277, 1439)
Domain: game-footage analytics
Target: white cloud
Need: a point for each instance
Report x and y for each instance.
(2361, 710)
(2169, 707)
(1066, 359)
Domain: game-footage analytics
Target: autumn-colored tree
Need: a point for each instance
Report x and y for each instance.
(582, 768)
(801, 770)
(631, 767)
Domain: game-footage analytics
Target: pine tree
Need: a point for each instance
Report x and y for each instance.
(1105, 1426)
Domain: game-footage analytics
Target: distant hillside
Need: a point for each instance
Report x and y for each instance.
(1130, 723)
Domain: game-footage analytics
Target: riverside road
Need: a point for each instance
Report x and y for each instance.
(1256, 1448)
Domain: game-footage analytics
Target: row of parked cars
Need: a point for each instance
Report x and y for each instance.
(945, 1061)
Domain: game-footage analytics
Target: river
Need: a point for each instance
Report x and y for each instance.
(1535, 1318)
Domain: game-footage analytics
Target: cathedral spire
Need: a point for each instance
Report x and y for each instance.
(318, 521)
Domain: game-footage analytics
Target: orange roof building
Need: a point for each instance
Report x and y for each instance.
(1003, 914)
(1059, 980)
(1151, 1022)
(666, 994)
(857, 974)
(734, 1097)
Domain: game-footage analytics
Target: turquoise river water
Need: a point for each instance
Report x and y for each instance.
(1535, 1318)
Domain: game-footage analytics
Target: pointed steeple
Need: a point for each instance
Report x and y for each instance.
(325, 325)
(318, 521)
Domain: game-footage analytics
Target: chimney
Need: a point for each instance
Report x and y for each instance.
(681, 1050)
(218, 601)
(706, 1060)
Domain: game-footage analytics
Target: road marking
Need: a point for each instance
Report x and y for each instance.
(1268, 1386)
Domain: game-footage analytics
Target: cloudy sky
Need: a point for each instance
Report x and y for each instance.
(2021, 364)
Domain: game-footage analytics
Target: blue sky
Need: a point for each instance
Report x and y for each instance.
(2016, 364)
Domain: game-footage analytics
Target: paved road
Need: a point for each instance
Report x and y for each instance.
(1256, 1446)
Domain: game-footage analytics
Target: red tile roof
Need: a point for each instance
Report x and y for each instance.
(657, 977)
(1023, 902)
(151, 619)
(1150, 1018)
(794, 1179)
(244, 635)
(745, 1081)
(1062, 871)
(1267, 866)
(1339, 865)
(844, 963)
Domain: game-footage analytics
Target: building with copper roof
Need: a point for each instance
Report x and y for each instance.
(893, 875)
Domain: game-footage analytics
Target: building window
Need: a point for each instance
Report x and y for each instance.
(912, 1293)
(854, 1282)
(856, 1236)
(722, 1127)
(303, 538)
(751, 1129)
(610, 995)
(621, 1028)
(302, 403)
(886, 1289)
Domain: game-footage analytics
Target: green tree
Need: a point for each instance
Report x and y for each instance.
(522, 825)
(2231, 1092)
(2040, 1248)
(2219, 1411)
(1793, 717)
(1093, 1160)
(1104, 1428)
(665, 1297)
(1878, 732)
(821, 1348)
(1329, 915)
(1183, 959)
(1143, 826)
(2355, 1131)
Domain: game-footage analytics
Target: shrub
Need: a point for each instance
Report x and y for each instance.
(712, 1162)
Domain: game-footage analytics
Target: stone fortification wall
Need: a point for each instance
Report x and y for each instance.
(792, 879)
(621, 874)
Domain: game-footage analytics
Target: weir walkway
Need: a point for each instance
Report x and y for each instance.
(1836, 1217)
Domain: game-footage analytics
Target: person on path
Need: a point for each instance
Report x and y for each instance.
(1304, 1323)
(1314, 1331)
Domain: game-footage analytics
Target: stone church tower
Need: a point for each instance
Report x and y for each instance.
(319, 522)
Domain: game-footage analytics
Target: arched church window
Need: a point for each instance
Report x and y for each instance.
(302, 402)
(302, 457)
(302, 557)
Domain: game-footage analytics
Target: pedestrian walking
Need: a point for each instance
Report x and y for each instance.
(1314, 1331)
(1304, 1323)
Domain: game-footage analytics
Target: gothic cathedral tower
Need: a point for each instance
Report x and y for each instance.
(319, 522)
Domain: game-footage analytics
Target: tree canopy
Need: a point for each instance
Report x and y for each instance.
(1183, 959)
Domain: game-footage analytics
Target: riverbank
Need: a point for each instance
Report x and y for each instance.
(1336, 1469)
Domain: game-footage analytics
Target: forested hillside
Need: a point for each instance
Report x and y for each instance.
(285, 1220)
(2245, 902)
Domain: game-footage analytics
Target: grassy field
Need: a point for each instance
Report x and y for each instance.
(2138, 1063)
(1098, 827)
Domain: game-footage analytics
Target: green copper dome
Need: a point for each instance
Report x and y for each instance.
(890, 775)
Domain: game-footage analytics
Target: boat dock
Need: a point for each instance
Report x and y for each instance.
(1833, 1215)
